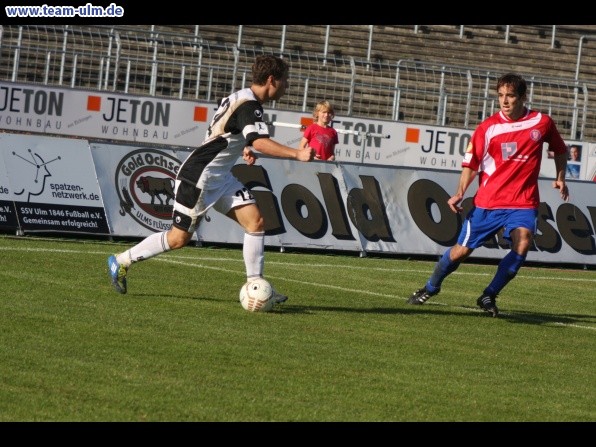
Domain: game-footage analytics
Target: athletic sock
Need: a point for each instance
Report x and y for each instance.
(253, 251)
(442, 269)
(152, 245)
(506, 271)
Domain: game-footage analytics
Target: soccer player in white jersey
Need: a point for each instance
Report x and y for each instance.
(505, 152)
(205, 180)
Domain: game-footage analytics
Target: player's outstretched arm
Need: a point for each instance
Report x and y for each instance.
(272, 148)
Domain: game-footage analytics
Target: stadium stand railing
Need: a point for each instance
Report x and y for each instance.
(424, 74)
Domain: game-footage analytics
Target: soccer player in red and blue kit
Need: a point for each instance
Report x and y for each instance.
(505, 152)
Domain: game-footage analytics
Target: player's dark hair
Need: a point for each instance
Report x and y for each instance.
(516, 81)
(267, 65)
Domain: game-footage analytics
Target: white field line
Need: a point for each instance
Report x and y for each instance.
(360, 292)
(292, 264)
(183, 260)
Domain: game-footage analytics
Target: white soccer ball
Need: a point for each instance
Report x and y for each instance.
(256, 295)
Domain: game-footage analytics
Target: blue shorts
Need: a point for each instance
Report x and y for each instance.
(481, 224)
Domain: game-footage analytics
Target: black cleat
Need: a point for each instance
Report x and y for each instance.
(487, 303)
(421, 296)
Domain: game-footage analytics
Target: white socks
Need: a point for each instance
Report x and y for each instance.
(152, 245)
(253, 251)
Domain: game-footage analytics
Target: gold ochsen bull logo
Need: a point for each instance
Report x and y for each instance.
(155, 187)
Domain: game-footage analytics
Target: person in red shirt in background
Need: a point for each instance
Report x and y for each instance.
(320, 135)
(505, 153)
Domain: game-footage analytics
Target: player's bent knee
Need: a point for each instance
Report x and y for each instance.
(257, 226)
(178, 238)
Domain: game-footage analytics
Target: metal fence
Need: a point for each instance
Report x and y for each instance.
(184, 66)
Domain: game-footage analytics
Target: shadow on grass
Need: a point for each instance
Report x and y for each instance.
(439, 309)
(526, 317)
(410, 310)
(540, 318)
(428, 308)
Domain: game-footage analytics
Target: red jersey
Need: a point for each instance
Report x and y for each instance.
(507, 155)
(322, 140)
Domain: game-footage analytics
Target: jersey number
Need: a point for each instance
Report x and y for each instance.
(245, 194)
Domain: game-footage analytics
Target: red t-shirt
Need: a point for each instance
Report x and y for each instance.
(507, 155)
(322, 140)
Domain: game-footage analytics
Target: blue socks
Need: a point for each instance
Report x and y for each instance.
(442, 269)
(506, 271)
(508, 268)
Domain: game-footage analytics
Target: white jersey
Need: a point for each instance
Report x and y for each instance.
(236, 124)
(205, 179)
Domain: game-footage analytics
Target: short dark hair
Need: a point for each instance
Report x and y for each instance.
(267, 65)
(516, 81)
